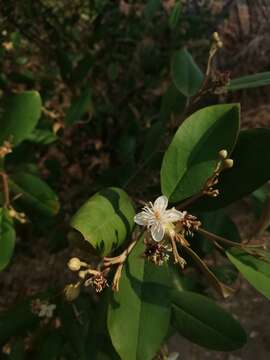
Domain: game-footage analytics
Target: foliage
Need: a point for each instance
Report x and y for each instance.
(103, 108)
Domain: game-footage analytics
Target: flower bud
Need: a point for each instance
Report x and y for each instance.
(217, 39)
(74, 264)
(72, 291)
(82, 274)
(223, 154)
(228, 163)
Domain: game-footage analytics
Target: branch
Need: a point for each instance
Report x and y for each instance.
(5, 189)
(216, 238)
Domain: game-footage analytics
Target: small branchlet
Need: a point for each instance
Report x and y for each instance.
(97, 278)
(224, 163)
(88, 277)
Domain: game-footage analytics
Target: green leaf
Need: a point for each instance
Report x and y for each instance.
(249, 81)
(98, 342)
(51, 346)
(255, 270)
(17, 350)
(201, 321)
(7, 238)
(105, 220)
(225, 273)
(82, 69)
(173, 102)
(18, 320)
(20, 116)
(73, 330)
(181, 281)
(175, 15)
(139, 313)
(259, 198)
(79, 107)
(152, 140)
(193, 153)
(151, 8)
(44, 137)
(186, 75)
(34, 193)
(250, 171)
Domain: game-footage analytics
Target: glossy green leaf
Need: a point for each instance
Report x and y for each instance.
(192, 156)
(255, 270)
(203, 322)
(186, 75)
(173, 102)
(249, 81)
(7, 238)
(43, 137)
(182, 281)
(21, 114)
(79, 107)
(139, 313)
(34, 193)
(105, 220)
(250, 171)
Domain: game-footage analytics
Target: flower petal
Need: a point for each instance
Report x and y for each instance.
(161, 203)
(157, 231)
(141, 218)
(173, 215)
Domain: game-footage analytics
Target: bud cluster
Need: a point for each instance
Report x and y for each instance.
(89, 277)
(156, 253)
(190, 223)
(224, 163)
(98, 281)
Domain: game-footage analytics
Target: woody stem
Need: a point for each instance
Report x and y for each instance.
(5, 189)
(213, 237)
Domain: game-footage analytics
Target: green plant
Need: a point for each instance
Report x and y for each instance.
(137, 278)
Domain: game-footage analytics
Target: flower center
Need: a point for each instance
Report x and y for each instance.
(157, 214)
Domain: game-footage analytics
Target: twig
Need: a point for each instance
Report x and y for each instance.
(221, 288)
(5, 189)
(216, 238)
(190, 201)
(120, 259)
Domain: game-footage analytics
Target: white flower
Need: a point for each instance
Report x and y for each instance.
(46, 310)
(173, 356)
(157, 218)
